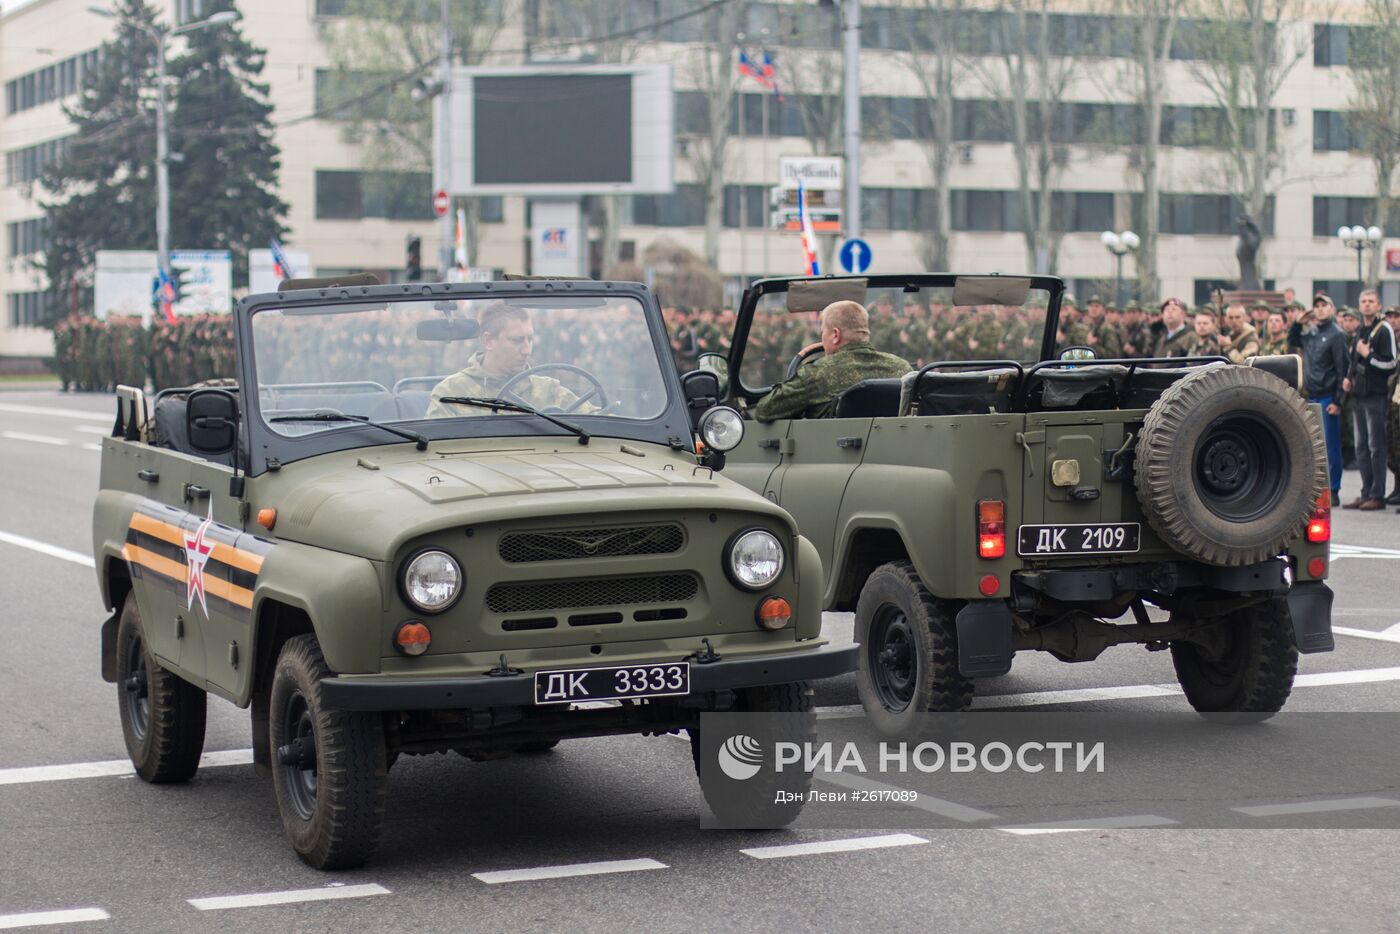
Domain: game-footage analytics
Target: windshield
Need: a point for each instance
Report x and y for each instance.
(579, 357)
(922, 327)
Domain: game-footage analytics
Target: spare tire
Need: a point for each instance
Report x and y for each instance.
(1230, 465)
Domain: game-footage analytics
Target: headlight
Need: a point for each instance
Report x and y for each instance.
(721, 428)
(755, 559)
(432, 581)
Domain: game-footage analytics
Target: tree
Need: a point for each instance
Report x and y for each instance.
(224, 188)
(380, 51)
(102, 193)
(1245, 50)
(1028, 82)
(1375, 107)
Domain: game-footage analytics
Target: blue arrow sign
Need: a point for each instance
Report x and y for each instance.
(855, 256)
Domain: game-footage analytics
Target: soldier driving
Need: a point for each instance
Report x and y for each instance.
(849, 359)
(507, 341)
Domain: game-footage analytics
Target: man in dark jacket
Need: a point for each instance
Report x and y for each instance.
(1367, 383)
(1324, 348)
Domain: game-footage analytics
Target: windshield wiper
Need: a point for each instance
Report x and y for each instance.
(415, 437)
(494, 404)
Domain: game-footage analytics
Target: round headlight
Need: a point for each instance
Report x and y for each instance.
(432, 581)
(755, 559)
(721, 428)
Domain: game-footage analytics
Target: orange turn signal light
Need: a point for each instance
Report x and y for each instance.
(774, 613)
(413, 638)
(267, 518)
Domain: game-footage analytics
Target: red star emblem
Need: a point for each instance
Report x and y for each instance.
(197, 552)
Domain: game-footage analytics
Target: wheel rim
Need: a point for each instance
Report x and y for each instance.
(1241, 471)
(297, 727)
(891, 658)
(137, 693)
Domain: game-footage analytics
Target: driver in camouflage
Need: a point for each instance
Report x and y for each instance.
(849, 360)
(507, 340)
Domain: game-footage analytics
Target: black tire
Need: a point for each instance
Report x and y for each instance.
(909, 651)
(162, 714)
(750, 804)
(332, 799)
(1253, 674)
(1230, 465)
(537, 747)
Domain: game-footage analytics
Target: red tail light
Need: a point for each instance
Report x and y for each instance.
(991, 528)
(1320, 525)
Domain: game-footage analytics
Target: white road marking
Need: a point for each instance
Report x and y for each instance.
(833, 846)
(43, 548)
(1337, 551)
(67, 916)
(564, 872)
(1389, 635)
(258, 899)
(1324, 679)
(37, 439)
(112, 767)
(1094, 823)
(949, 809)
(92, 429)
(55, 411)
(1077, 695)
(92, 447)
(1317, 807)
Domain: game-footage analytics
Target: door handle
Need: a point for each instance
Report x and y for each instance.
(193, 492)
(769, 444)
(853, 443)
(147, 474)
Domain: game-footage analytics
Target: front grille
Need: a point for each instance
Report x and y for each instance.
(552, 595)
(573, 544)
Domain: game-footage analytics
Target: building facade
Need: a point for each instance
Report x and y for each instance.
(347, 216)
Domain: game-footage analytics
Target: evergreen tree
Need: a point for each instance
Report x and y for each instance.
(224, 190)
(102, 193)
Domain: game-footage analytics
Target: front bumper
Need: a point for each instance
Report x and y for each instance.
(397, 693)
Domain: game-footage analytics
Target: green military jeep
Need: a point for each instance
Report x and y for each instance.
(1011, 493)
(379, 564)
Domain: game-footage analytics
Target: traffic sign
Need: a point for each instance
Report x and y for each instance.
(855, 255)
(441, 203)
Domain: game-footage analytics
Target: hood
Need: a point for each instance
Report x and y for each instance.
(369, 502)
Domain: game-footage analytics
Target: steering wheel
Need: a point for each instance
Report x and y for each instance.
(804, 355)
(595, 390)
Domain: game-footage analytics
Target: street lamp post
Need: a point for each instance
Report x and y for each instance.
(162, 36)
(1120, 245)
(1360, 239)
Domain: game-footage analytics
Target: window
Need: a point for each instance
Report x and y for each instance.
(391, 195)
(1083, 211)
(1332, 212)
(1335, 44)
(986, 210)
(1332, 132)
(187, 11)
(50, 83)
(28, 309)
(1208, 214)
(755, 208)
(491, 209)
(28, 164)
(683, 208)
(1341, 291)
(342, 95)
(26, 237)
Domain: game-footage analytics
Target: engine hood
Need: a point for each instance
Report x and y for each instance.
(369, 502)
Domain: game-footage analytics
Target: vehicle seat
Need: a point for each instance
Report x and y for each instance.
(870, 398)
(962, 392)
(413, 403)
(1082, 388)
(1144, 387)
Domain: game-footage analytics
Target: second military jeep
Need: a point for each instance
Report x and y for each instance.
(405, 529)
(1010, 494)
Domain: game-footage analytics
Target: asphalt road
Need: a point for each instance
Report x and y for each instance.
(480, 846)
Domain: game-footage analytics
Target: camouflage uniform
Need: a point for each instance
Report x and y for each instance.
(1244, 345)
(1108, 341)
(1268, 347)
(1181, 344)
(809, 394)
(984, 330)
(473, 380)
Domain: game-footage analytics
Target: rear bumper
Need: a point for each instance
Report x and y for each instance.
(398, 693)
(1164, 577)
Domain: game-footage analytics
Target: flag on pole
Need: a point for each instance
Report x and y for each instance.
(809, 236)
(763, 71)
(280, 266)
(459, 246)
(165, 295)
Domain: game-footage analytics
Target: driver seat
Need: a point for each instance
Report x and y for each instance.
(869, 398)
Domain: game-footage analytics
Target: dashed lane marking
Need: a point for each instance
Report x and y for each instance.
(948, 809)
(1317, 807)
(1387, 635)
(564, 872)
(92, 447)
(67, 916)
(331, 892)
(1338, 551)
(44, 548)
(1133, 821)
(92, 429)
(54, 411)
(110, 768)
(37, 439)
(833, 846)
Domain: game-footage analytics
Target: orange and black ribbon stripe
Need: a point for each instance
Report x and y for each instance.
(155, 552)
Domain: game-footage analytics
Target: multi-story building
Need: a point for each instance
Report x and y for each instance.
(349, 217)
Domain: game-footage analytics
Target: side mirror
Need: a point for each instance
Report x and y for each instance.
(211, 421)
(715, 363)
(1079, 352)
(701, 388)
